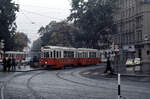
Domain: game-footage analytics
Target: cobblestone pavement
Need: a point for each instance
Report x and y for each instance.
(68, 84)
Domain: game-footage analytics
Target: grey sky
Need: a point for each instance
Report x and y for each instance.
(36, 13)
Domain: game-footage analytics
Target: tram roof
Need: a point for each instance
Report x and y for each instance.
(57, 48)
(87, 49)
(14, 52)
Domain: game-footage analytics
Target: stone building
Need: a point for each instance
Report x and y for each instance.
(132, 18)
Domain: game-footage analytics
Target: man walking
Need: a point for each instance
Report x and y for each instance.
(4, 64)
(9, 64)
(13, 64)
(108, 67)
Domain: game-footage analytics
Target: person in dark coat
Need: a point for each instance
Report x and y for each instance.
(9, 63)
(108, 67)
(4, 64)
(13, 63)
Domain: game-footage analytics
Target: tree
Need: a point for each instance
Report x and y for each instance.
(20, 41)
(8, 11)
(94, 18)
(36, 46)
(58, 33)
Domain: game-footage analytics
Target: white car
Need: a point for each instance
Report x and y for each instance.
(130, 62)
(137, 61)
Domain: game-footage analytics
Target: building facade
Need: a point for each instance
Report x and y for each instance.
(132, 18)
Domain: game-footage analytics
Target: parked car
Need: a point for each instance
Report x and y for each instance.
(130, 62)
(137, 61)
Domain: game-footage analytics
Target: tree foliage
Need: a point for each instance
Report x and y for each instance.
(20, 41)
(58, 34)
(36, 46)
(8, 11)
(94, 18)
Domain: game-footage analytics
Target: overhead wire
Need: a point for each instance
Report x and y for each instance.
(35, 13)
(56, 9)
(28, 18)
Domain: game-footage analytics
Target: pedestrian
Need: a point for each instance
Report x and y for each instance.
(108, 66)
(13, 64)
(19, 64)
(9, 64)
(4, 64)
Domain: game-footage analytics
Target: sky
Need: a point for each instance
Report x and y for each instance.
(36, 13)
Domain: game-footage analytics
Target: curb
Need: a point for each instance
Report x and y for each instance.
(129, 75)
(29, 70)
(26, 70)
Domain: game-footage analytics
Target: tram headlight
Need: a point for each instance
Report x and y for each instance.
(45, 62)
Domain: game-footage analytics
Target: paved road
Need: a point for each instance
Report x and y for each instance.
(67, 84)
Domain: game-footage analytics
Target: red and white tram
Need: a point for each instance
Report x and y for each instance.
(56, 57)
(19, 56)
(88, 56)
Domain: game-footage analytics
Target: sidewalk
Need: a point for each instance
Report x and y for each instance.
(98, 73)
(26, 68)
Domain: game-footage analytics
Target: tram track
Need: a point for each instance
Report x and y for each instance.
(58, 74)
(5, 83)
(61, 76)
(34, 92)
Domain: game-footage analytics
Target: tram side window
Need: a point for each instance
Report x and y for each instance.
(46, 54)
(71, 54)
(68, 54)
(65, 54)
(92, 54)
(57, 55)
(80, 55)
(54, 54)
(85, 54)
(51, 54)
(76, 55)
